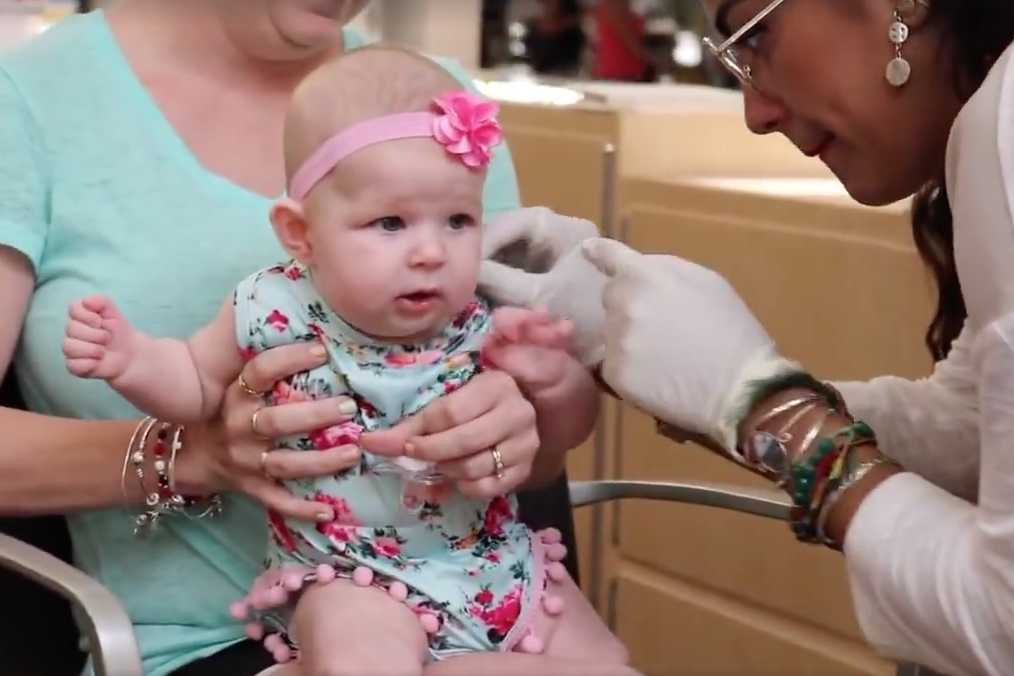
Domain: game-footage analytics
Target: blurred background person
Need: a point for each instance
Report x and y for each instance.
(555, 40)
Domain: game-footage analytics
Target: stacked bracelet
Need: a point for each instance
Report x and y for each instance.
(818, 472)
(162, 499)
(821, 474)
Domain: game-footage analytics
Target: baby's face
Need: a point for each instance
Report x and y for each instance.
(396, 234)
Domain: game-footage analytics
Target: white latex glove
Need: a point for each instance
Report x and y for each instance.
(680, 342)
(563, 283)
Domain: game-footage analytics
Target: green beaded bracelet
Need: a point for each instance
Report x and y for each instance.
(806, 472)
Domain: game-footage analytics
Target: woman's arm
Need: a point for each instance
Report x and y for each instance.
(51, 465)
(48, 464)
(931, 425)
(932, 575)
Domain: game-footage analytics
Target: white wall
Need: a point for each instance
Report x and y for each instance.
(448, 28)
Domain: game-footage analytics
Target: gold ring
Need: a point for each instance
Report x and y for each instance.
(264, 463)
(498, 466)
(254, 427)
(241, 381)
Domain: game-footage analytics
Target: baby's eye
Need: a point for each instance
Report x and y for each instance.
(459, 221)
(389, 223)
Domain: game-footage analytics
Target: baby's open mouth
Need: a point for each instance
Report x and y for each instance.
(420, 296)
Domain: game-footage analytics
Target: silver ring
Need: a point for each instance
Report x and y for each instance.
(498, 466)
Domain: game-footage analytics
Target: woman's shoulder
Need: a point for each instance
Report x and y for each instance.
(57, 54)
(62, 76)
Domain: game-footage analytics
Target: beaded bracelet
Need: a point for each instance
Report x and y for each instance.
(818, 474)
(854, 471)
(162, 499)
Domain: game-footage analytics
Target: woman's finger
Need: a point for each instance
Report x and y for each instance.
(297, 417)
(517, 450)
(262, 372)
(278, 498)
(478, 434)
(481, 395)
(491, 486)
(283, 464)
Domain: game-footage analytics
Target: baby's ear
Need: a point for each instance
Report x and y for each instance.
(289, 221)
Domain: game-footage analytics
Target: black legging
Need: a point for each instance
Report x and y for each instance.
(543, 508)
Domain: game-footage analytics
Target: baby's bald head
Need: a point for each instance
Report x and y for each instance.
(357, 86)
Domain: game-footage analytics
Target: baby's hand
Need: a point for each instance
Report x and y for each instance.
(531, 346)
(99, 343)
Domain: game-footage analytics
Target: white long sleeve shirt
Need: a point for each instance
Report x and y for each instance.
(931, 571)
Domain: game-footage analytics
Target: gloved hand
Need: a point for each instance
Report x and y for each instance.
(680, 343)
(556, 277)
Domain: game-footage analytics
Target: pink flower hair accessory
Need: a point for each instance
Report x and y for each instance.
(463, 123)
(467, 127)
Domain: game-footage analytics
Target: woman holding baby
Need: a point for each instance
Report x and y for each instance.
(176, 153)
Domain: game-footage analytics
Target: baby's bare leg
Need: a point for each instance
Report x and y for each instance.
(521, 664)
(578, 633)
(577, 643)
(346, 630)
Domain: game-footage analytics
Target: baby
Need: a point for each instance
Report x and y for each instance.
(386, 161)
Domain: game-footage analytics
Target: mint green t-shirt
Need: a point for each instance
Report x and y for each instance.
(102, 196)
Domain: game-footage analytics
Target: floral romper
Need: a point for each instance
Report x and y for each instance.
(469, 562)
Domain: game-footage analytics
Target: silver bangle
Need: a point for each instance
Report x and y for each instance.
(851, 479)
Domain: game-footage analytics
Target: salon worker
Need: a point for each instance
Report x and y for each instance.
(896, 97)
(140, 149)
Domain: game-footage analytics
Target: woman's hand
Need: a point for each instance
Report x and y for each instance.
(235, 452)
(548, 272)
(465, 432)
(680, 343)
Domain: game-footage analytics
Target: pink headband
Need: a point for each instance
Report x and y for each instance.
(464, 123)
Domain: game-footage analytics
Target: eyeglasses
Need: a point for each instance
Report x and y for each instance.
(726, 51)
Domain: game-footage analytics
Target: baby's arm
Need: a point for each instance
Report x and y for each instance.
(170, 379)
(533, 348)
(565, 416)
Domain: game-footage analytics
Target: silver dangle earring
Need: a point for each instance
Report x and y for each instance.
(899, 70)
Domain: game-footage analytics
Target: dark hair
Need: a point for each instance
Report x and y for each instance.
(976, 33)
